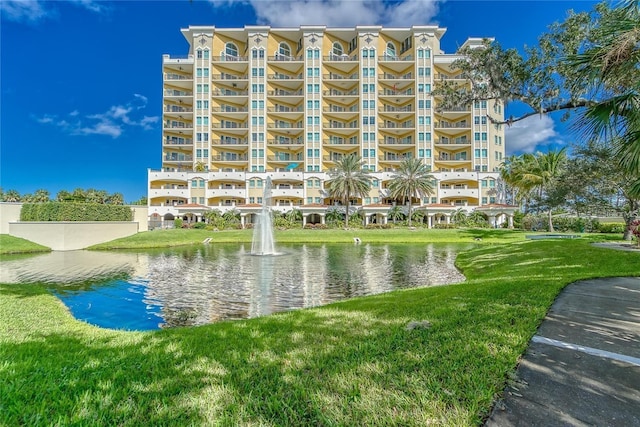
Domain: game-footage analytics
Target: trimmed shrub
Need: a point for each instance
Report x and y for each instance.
(611, 227)
(68, 211)
(177, 223)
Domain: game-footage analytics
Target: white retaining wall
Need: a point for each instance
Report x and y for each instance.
(72, 235)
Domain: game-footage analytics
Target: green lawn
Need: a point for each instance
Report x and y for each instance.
(350, 363)
(175, 237)
(14, 245)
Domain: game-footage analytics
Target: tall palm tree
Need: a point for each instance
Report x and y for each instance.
(412, 179)
(348, 179)
(610, 68)
(41, 196)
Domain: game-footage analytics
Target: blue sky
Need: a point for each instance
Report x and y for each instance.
(81, 80)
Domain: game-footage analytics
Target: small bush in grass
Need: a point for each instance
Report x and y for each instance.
(177, 223)
(611, 227)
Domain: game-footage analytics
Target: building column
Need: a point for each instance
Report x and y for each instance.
(242, 218)
(447, 218)
(304, 220)
(429, 221)
(321, 218)
(510, 219)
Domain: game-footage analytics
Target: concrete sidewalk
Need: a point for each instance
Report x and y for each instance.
(582, 368)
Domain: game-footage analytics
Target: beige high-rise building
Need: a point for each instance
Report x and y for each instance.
(286, 103)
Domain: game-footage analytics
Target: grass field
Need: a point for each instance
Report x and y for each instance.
(349, 363)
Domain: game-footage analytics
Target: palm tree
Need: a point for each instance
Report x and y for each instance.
(12, 196)
(41, 196)
(395, 213)
(610, 68)
(412, 179)
(348, 179)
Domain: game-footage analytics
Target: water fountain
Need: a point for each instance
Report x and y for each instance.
(263, 242)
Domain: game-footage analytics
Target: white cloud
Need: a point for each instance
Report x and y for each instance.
(526, 136)
(111, 123)
(32, 11)
(339, 13)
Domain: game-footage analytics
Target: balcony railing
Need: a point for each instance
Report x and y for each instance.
(391, 92)
(393, 141)
(174, 76)
(453, 142)
(178, 126)
(243, 141)
(396, 157)
(446, 77)
(175, 157)
(230, 158)
(341, 58)
(449, 159)
(282, 109)
(173, 92)
(226, 92)
(338, 109)
(448, 125)
(230, 125)
(288, 58)
(395, 58)
(282, 92)
(287, 158)
(334, 125)
(393, 125)
(389, 76)
(230, 58)
(335, 92)
(297, 141)
(280, 125)
(390, 109)
(177, 109)
(280, 76)
(334, 76)
(227, 76)
(229, 109)
(178, 142)
(339, 142)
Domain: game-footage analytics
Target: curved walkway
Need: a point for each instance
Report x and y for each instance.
(582, 368)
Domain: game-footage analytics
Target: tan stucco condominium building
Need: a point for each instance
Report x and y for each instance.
(249, 103)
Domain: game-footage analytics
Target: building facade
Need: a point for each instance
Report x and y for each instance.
(286, 103)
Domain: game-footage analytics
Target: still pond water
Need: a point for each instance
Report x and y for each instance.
(146, 290)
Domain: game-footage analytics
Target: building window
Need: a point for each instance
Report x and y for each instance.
(337, 49)
(284, 50)
(231, 50)
(391, 51)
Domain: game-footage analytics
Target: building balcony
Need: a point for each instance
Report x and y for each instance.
(340, 58)
(285, 109)
(177, 93)
(281, 76)
(292, 191)
(286, 142)
(389, 76)
(177, 126)
(228, 92)
(397, 93)
(177, 109)
(164, 175)
(232, 125)
(338, 125)
(286, 158)
(458, 192)
(387, 157)
(452, 159)
(227, 76)
(285, 58)
(396, 58)
(340, 93)
(341, 109)
(178, 143)
(169, 192)
(342, 142)
(458, 176)
(238, 193)
(396, 141)
(336, 76)
(231, 141)
(177, 157)
(283, 92)
(228, 109)
(230, 58)
(230, 157)
(452, 143)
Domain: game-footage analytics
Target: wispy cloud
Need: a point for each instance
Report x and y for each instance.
(339, 13)
(530, 134)
(111, 123)
(33, 11)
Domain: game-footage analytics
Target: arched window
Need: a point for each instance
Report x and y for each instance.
(391, 50)
(230, 49)
(284, 50)
(337, 49)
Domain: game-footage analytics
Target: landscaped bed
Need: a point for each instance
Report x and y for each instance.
(350, 363)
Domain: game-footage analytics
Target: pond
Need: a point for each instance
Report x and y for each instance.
(146, 290)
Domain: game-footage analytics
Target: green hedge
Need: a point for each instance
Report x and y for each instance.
(58, 211)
